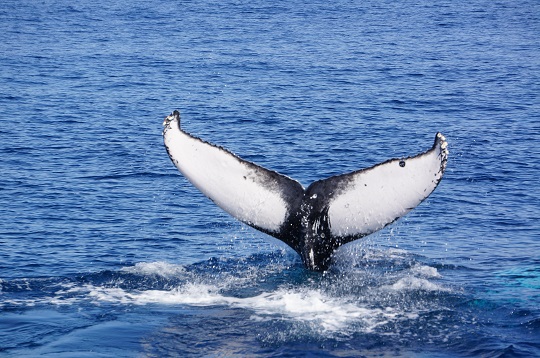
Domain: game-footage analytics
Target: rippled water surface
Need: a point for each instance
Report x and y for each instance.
(106, 250)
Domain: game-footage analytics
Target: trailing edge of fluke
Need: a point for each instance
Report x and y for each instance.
(313, 221)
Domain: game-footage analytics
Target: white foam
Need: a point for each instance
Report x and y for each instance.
(159, 268)
(319, 311)
(425, 271)
(416, 284)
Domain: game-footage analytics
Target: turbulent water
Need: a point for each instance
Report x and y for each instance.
(106, 250)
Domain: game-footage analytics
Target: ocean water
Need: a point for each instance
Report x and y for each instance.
(107, 251)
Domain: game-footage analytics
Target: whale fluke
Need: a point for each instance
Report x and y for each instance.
(313, 221)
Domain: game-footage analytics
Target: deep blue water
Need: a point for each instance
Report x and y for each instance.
(106, 250)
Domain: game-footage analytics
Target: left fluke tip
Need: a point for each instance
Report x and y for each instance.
(175, 115)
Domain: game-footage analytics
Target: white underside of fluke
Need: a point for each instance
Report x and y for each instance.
(379, 195)
(231, 183)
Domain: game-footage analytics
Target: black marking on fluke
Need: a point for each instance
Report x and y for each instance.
(307, 226)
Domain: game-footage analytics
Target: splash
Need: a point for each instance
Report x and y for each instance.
(365, 298)
(320, 311)
(326, 305)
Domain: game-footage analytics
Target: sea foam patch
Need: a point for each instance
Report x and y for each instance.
(425, 271)
(320, 311)
(310, 306)
(416, 284)
(159, 268)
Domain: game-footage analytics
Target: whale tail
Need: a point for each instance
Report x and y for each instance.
(313, 221)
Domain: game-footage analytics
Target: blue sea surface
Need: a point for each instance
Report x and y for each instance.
(107, 251)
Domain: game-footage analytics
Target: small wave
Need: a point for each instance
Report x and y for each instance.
(118, 176)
